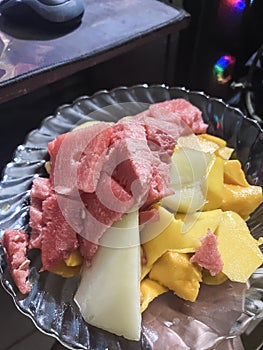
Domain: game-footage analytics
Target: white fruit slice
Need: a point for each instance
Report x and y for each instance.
(109, 292)
(186, 199)
(188, 180)
(189, 166)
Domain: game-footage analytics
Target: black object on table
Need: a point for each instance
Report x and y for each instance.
(53, 11)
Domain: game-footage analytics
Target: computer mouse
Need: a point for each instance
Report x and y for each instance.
(55, 11)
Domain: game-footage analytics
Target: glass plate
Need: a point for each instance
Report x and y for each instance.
(219, 313)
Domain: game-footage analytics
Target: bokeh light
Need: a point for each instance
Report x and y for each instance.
(223, 68)
(237, 4)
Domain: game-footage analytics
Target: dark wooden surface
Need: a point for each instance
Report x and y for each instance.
(34, 54)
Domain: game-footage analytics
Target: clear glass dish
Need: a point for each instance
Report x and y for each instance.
(220, 313)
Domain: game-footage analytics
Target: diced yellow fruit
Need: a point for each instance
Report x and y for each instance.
(233, 173)
(214, 183)
(239, 250)
(48, 166)
(69, 267)
(75, 259)
(211, 138)
(153, 229)
(145, 269)
(197, 142)
(213, 280)
(242, 200)
(63, 270)
(174, 271)
(196, 225)
(190, 141)
(170, 238)
(206, 143)
(150, 290)
(224, 152)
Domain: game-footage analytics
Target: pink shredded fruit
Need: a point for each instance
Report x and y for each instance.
(15, 245)
(208, 255)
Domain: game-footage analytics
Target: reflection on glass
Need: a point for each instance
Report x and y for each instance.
(223, 68)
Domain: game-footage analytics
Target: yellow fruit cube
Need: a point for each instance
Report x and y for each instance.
(242, 200)
(170, 238)
(224, 152)
(69, 267)
(233, 173)
(196, 225)
(211, 138)
(207, 278)
(63, 270)
(153, 229)
(150, 290)
(239, 250)
(197, 143)
(206, 143)
(174, 271)
(75, 259)
(214, 183)
(145, 269)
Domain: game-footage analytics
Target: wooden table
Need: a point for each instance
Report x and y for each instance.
(34, 54)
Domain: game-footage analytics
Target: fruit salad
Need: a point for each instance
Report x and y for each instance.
(138, 208)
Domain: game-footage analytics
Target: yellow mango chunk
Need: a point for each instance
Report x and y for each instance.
(174, 271)
(234, 174)
(150, 290)
(224, 152)
(192, 141)
(69, 267)
(153, 229)
(213, 280)
(48, 166)
(211, 138)
(196, 225)
(242, 200)
(170, 238)
(206, 143)
(197, 142)
(145, 269)
(214, 183)
(239, 250)
(75, 259)
(63, 270)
